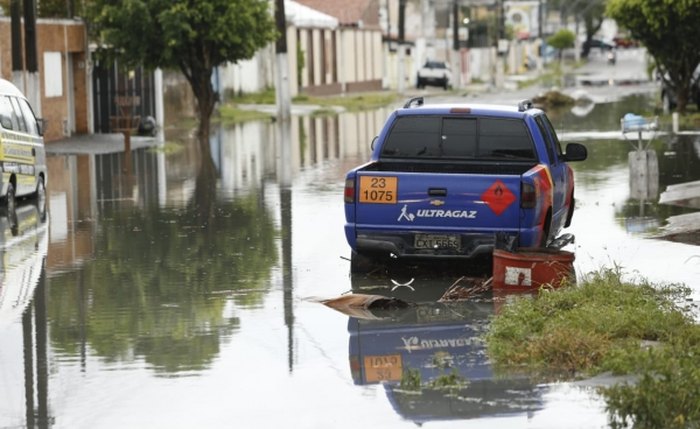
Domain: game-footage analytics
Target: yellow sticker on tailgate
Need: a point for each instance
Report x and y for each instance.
(383, 368)
(378, 189)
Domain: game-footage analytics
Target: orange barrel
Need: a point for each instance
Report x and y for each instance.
(530, 268)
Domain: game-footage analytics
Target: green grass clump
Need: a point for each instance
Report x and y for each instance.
(609, 325)
(666, 394)
(410, 380)
(230, 114)
(355, 103)
(589, 328)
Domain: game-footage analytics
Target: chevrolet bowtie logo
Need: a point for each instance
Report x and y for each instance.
(437, 203)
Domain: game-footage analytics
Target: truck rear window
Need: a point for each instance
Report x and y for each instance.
(459, 138)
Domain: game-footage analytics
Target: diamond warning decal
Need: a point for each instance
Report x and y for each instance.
(498, 197)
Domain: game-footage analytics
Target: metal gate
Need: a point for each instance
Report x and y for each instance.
(111, 85)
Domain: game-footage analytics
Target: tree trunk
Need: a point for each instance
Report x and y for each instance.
(200, 81)
(206, 100)
(682, 100)
(586, 46)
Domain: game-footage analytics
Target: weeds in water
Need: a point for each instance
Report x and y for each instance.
(666, 395)
(588, 328)
(410, 379)
(607, 324)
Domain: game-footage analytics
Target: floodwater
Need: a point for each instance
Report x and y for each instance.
(163, 300)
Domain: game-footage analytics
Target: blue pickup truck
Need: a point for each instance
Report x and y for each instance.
(444, 180)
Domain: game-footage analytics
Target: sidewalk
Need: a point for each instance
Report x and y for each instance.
(96, 144)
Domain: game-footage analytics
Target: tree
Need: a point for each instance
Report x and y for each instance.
(591, 12)
(669, 29)
(192, 36)
(561, 40)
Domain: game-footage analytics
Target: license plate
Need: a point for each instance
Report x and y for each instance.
(436, 241)
(383, 368)
(378, 189)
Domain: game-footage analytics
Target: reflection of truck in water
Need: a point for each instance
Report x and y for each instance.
(431, 342)
(24, 243)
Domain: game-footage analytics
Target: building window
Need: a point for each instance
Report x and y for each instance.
(53, 74)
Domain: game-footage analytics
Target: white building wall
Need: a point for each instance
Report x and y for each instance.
(316, 39)
(292, 60)
(250, 75)
(304, 42)
(348, 45)
(329, 56)
(378, 63)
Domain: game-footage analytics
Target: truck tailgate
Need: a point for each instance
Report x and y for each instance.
(454, 202)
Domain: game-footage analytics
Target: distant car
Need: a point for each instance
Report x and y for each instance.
(624, 42)
(435, 73)
(668, 96)
(596, 43)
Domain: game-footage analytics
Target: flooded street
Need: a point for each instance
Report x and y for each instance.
(163, 300)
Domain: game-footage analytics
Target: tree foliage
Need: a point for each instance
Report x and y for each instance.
(669, 29)
(159, 283)
(193, 36)
(561, 40)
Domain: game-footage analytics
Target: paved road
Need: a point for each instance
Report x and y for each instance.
(595, 79)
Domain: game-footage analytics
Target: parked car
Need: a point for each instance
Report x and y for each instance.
(668, 96)
(435, 73)
(624, 42)
(22, 154)
(588, 45)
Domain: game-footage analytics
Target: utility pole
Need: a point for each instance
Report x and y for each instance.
(456, 62)
(282, 93)
(16, 32)
(401, 48)
(30, 55)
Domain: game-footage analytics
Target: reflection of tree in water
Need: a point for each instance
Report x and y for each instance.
(160, 280)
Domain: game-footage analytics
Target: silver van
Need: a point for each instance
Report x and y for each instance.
(22, 155)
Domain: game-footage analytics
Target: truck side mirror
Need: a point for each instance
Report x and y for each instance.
(374, 140)
(575, 152)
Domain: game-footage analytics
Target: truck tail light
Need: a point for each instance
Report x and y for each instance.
(528, 195)
(349, 191)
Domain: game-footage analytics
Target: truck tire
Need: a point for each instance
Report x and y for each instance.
(570, 214)
(40, 193)
(545, 230)
(362, 264)
(10, 201)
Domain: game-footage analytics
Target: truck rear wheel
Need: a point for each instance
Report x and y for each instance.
(362, 264)
(545, 231)
(570, 214)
